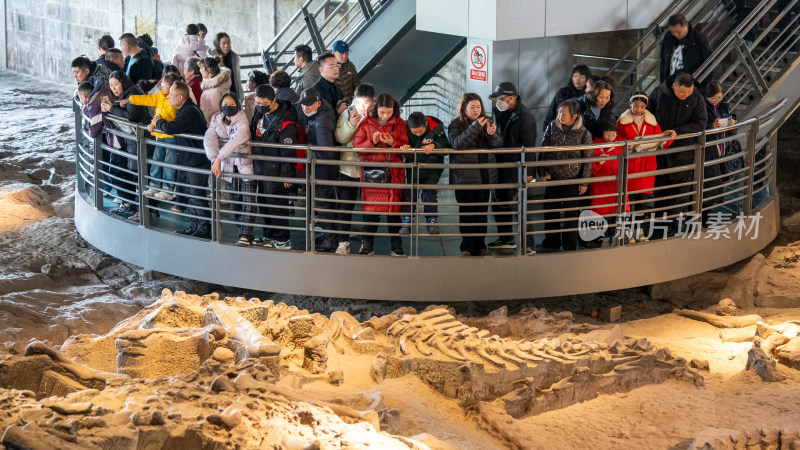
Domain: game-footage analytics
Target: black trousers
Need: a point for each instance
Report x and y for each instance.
(504, 218)
(349, 193)
(198, 207)
(683, 194)
(393, 224)
(274, 207)
(324, 196)
(637, 209)
(554, 238)
(473, 244)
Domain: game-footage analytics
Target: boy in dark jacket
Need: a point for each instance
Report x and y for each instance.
(426, 133)
(566, 130)
(275, 122)
(190, 120)
(574, 89)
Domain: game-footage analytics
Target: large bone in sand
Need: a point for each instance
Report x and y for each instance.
(240, 329)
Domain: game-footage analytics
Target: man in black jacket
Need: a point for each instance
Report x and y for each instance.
(683, 49)
(190, 120)
(274, 121)
(680, 109)
(574, 89)
(326, 84)
(320, 123)
(518, 127)
(138, 61)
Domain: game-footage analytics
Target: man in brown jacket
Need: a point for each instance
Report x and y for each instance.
(348, 79)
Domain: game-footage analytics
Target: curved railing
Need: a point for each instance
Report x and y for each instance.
(735, 205)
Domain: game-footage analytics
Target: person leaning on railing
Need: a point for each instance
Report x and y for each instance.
(276, 122)
(346, 128)
(122, 87)
(231, 124)
(718, 116)
(604, 193)
(567, 130)
(189, 120)
(470, 130)
(382, 128)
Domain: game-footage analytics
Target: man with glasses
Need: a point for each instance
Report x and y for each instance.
(326, 85)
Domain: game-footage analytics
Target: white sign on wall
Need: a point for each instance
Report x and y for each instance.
(478, 62)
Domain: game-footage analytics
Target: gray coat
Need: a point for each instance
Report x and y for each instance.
(307, 77)
(556, 136)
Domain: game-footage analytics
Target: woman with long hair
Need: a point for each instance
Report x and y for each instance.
(230, 59)
(382, 128)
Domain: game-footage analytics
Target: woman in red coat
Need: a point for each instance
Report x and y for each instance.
(635, 122)
(382, 128)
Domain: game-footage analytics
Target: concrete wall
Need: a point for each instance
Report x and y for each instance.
(44, 36)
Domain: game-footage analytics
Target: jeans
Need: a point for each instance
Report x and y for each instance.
(169, 156)
(244, 193)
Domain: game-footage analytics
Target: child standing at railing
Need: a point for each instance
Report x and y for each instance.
(604, 193)
(163, 154)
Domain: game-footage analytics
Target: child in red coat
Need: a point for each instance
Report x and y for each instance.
(604, 193)
(382, 128)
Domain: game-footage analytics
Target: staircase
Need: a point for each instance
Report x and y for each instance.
(385, 46)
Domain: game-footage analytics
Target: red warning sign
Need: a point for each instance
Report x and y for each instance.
(478, 57)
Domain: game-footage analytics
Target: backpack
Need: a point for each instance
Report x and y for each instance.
(302, 138)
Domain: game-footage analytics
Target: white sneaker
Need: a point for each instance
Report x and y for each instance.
(149, 192)
(164, 195)
(343, 248)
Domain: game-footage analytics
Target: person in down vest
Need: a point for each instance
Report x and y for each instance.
(230, 124)
(473, 130)
(566, 130)
(382, 128)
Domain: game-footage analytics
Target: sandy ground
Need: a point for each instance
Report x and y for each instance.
(54, 285)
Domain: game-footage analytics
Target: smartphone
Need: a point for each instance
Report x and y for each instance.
(385, 134)
(105, 99)
(352, 110)
(724, 122)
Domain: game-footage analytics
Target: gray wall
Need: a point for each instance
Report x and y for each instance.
(44, 36)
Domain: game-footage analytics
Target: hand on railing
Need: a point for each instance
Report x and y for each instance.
(216, 167)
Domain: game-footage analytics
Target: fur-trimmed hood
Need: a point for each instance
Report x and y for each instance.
(575, 125)
(627, 118)
(221, 80)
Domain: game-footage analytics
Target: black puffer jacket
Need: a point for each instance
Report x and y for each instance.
(695, 51)
(320, 128)
(592, 123)
(557, 136)
(269, 128)
(131, 112)
(434, 134)
(565, 93)
(188, 120)
(471, 136)
(683, 116)
(518, 127)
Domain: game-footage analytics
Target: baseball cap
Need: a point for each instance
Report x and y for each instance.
(341, 46)
(309, 96)
(503, 89)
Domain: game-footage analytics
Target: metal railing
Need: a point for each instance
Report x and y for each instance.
(108, 172)
(318, 23)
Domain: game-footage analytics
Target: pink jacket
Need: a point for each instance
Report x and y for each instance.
(213, 90)
(237, 134)
(187, 47)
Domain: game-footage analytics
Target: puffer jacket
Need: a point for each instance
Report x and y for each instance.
(557, 136)
(348, 79)
(213, 90)
(188, 46)
(519, 130)
(278, 127)
(319, 130)
(628, 131)
(345, 135)
(591, 122)
(683, 116)
(162, 105)
(471, 136)
(237, 133)
(399, 130)
(94, 112)
(434, 134)
(231, 62)
(140, 67)
(565, 93)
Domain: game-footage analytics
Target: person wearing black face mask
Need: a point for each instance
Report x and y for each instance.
(518, 127)
(274, 121)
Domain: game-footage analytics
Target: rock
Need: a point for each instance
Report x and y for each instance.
(390, 420)
(726, 307)
(763, 366)
(225, 420)
(65, 206)
(303, 329)
(153, 353)
(40, 174)
(789, 354)
(244, 382)
(336, 377)
(222, 383)
(612, 314)
(364, 401)
(140, 418)
(699, 365)
(315, 354)
(499, 312)
(222, 355)
(157, 419)
(67, 409)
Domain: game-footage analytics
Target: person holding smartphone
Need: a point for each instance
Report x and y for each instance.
(470, 130)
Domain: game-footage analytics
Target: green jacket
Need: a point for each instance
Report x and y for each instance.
(348, 80)
(434, 133)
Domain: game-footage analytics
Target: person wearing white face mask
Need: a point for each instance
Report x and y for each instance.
(518, 127)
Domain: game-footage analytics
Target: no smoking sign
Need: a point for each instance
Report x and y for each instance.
(478, 58)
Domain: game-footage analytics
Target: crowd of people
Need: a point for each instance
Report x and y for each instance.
(199, 94)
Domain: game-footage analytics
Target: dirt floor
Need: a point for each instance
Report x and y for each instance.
(53, 285)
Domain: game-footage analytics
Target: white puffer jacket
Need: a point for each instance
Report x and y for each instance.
(188, 46)
(213, 90)
(237, 133)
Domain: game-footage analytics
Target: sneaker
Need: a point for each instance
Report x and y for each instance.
(243, 241)
(529, 251)
(499, 244)
(123, 210)
(280, 245)
(642, 239)
(164, 195)
(263, 241)
(398, 251)
(343, 248)
(324, 247)
(117, 200)
(177, 208)
(366, 249)
(405, 230)
(433, 228)
(187, 231)
(150, 192)
(135, 217)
